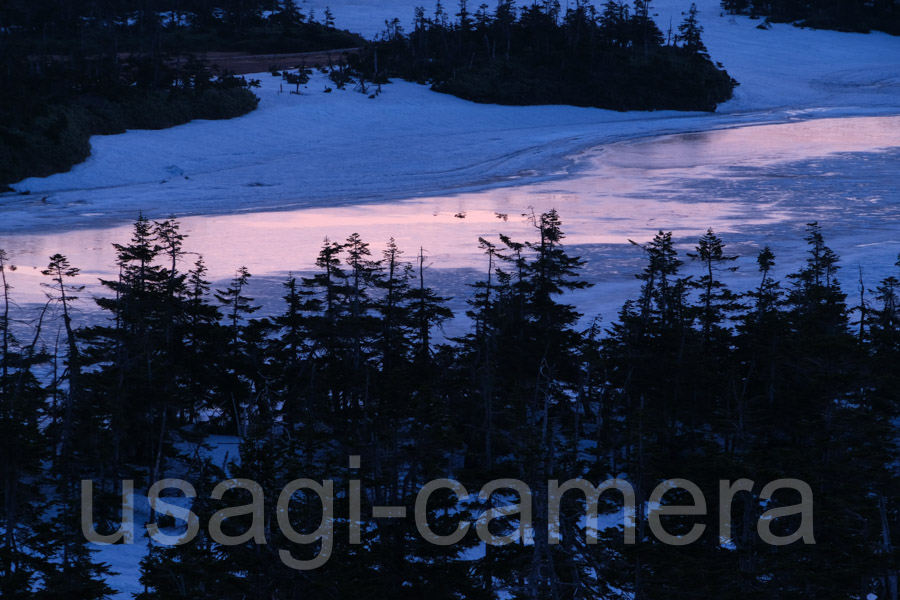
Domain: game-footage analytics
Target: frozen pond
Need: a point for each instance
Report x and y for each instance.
(754, 185)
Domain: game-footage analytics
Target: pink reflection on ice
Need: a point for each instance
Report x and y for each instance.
(613, 197)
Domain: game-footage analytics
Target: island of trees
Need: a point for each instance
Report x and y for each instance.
(790, 379)
(611, 57)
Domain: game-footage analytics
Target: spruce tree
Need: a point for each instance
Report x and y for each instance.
(23, 448)
(236, 389)
(691, 30)
(59, 270)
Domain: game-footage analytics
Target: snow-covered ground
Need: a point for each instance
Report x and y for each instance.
(125, 559)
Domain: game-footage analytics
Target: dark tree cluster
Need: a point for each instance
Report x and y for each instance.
(611, 57)
(70, 27)
(693, 380)
(841, 15)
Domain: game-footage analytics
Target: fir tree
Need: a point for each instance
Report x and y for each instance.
(59, 270)
(690, 30)
(237, 388)
(715, 297)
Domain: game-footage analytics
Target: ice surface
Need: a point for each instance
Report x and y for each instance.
(754, 185)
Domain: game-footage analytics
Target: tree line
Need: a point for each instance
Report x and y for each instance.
(693, 380)
(844, 15)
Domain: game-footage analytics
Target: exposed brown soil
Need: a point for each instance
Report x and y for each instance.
(242, 64)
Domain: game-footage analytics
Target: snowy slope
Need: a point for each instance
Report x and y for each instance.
(321, 149)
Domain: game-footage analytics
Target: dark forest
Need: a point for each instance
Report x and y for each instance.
(791, 379)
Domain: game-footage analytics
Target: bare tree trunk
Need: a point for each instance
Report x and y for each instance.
(887, 546)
